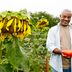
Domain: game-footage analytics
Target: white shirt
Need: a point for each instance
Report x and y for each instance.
(53, 41)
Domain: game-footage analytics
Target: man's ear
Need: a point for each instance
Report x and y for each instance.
(60, 16)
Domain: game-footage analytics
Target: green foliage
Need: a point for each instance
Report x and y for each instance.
(38, 15)
(5, 68)
(22, 14)
(30, 54)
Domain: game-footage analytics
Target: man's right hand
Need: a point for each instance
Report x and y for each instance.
(57, 51)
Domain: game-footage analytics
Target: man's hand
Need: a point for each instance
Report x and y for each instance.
(57, 51)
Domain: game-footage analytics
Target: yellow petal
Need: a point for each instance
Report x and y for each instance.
(3, 37)
(25, 27)
(15, 22)
(19, 25)
(21, 36)
(29, 30)
(1, 25)
(0, 30)
(9, 24)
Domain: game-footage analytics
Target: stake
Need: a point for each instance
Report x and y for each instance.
(46, 64)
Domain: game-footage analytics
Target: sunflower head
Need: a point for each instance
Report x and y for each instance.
(42, 23)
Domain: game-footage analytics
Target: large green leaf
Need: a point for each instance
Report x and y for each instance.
(13, 53)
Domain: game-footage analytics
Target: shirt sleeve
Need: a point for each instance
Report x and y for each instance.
(50, 43)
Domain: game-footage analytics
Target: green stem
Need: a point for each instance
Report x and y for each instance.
(0, 54)
(17, 70)
(0, 49)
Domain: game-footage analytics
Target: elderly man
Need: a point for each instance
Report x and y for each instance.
(60, 38)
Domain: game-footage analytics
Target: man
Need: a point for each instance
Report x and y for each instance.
(60, 38)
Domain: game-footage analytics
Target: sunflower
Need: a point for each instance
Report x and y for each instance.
(42, 23)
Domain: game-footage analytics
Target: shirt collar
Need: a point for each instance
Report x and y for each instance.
(70, 24)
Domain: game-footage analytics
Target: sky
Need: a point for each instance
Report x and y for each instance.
(53, 7)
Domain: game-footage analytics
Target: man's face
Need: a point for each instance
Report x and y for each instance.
(65, 18)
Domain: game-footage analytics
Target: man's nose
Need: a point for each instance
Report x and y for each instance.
(66, 18)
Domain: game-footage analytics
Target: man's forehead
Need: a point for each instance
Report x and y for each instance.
(66, 12)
